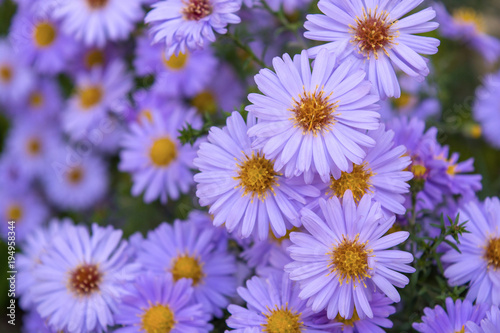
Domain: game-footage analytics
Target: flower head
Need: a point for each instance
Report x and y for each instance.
(490, 324)
(486, 106)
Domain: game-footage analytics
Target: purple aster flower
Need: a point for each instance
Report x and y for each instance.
(235, 175)
(380, 174)
(38, 40)
(75, 182)
(345, 257)
(81, 278)
(33, 323)
(376, 35)
(13, 175)
(179, 75)
(96, 21)
(490, 324)
(36, 244)
(157, 303)
(185, 26)
(486, 106)
(92, 56)
(273, 305)
(25, 208)
(159, 164)
(313, 122)
(452, 319)
(478, 262)
(96, 93)
(468, 26)
(194, 251)
(16, 80)
(382, 309)
(289, 6)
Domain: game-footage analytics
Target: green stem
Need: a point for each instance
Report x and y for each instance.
(247, 49)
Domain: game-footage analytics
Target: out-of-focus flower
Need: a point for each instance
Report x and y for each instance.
(156, 303)
(32, 322)
(313, 122)
(194, 251)
(97, 21)
(478, 262)
(468, 26)
(273, 305)
(486, 106)
(86, 273)
(451, 320)
(235, 175)
(377, 36)
(345, 257)
(16, 80)
(160, 165)
(490, 324)
(186, 26)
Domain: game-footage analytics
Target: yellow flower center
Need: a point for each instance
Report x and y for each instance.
(462, 330)
(492, 254)
(75, 175)
(145, 115)
(467, 16)
(403, 101)
(94, 57)
(45, 33)
(282, 320)
(257, 176)
(34, 147)
(36, 99)
(195, 10)
(176, 62)
(14, 212)
(158, 319)
(282, 238)
(85, 279)
(314, 112)
(163, 152)
(205, 102)
(90, 96)
(97, 4)
(451, 170)
(372, 33)
(349, 260)
(476, 131)
(188, 267)
(5, 73)
(358, 181)
(348, 322)
(418, 170)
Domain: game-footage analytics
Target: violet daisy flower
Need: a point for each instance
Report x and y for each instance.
(190, 250)
(313, 121)
(96, 93)
(375, 34)
(34, 323)
(479, 261)
(382, 309)
(16, 80)
(185, 26)
(86, 273)
(160, 165)
(468, 26)
(490, 324)
(273, 305)
(345, 257)
(39, 41)
(96, 21)
(235, 175)
(157, 303)
(486, 106)
(451, 320)
(43, 102)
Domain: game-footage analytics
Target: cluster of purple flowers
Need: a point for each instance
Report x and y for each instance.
(308, 188)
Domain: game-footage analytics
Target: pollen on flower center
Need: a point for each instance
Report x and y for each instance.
(280, 320)
(189, 267)
(36, 99)
(163, 152)
(44, 34)
(257, 176)
(348, 322)
(282, 238)
(372, 32)
(90, 96)
(93, 58)
(176, 62)
(462, 330)
(158, 318)
(15, 212)
(205, 102)
(314, 112)
(97, 4)
(5, 73)
(418, 170)
(75, 175)
(33, 146)
(468, 16)
(358, 181)
(195, 10)
(85, 279)
(349, 260)
(492, 254)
